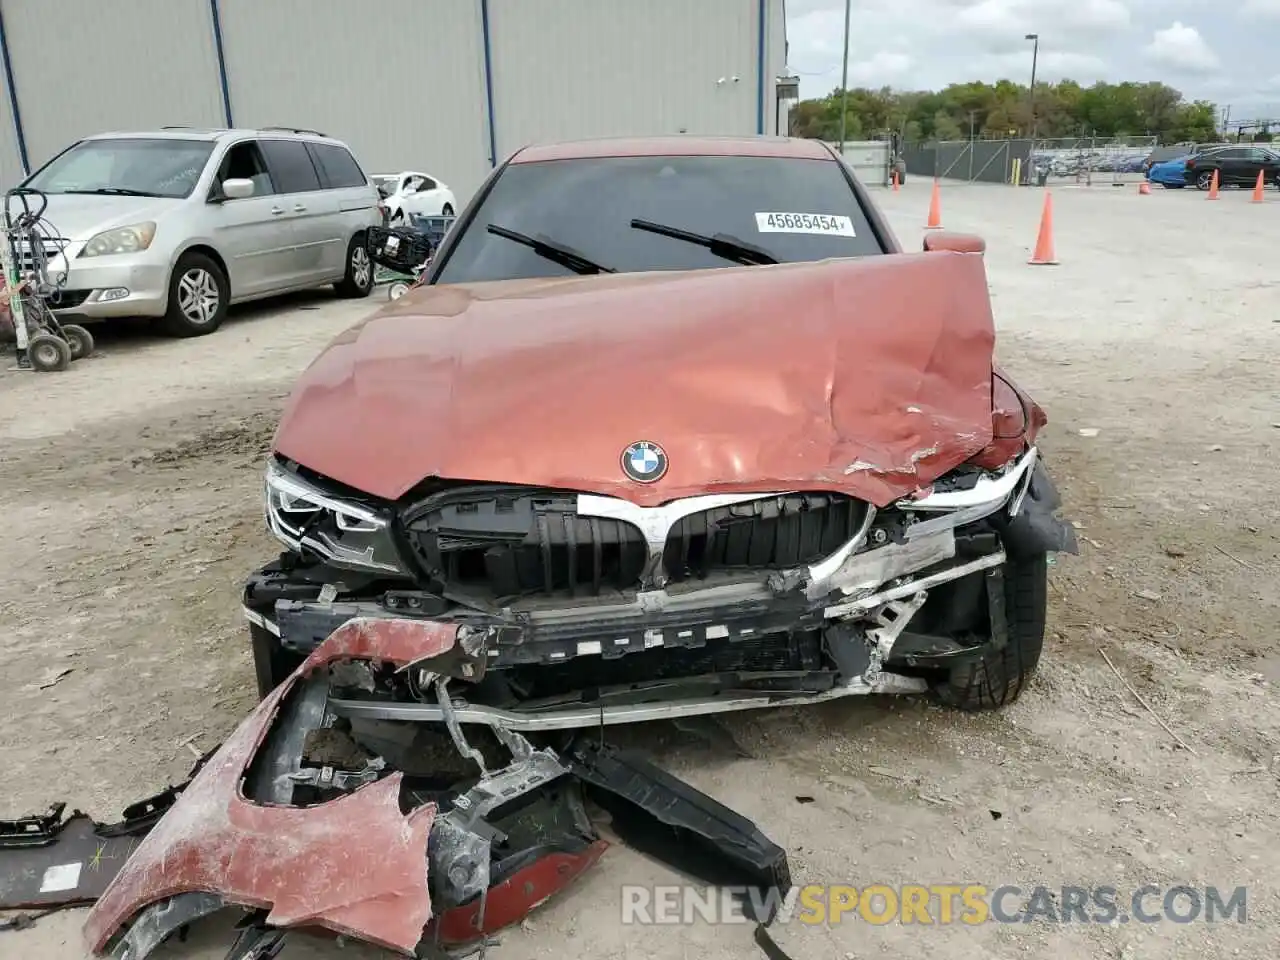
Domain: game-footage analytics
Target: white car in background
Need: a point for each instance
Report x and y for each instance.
(409, 192)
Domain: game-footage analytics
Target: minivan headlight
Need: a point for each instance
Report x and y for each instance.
(350, 535)
(131, 239)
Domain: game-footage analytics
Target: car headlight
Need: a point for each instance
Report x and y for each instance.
(345, 534)
(130, 239)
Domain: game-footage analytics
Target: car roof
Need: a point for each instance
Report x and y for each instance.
(677, 146)
(212, 133)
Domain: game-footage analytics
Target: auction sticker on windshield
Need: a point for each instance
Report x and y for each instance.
(816, 223)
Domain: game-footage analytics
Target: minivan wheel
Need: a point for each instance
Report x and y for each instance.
(358, 281)
(198, 297)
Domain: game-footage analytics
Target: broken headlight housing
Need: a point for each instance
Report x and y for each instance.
(345, 534)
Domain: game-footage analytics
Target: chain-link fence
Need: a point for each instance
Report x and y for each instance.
(1086, 160)
(1090, 160)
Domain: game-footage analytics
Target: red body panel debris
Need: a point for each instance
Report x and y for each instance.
(517, 896)
(355, 865)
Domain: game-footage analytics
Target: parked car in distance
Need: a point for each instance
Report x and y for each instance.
(1170, 174)
(408, 192)
(1238, 165)
(180, 223)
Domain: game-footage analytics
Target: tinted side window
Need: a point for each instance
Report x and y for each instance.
(244, 162)
(793, 209)
(336, 165)
(291, 166)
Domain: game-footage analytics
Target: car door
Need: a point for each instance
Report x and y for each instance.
(355, 200)
(256, 243)
(1232, 165)
(411, 202)
(430, 197)
(1255, 162)
(310, 211)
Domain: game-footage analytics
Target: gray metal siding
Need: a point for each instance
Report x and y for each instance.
(775, 65)
(83, 67)
(400, 81)
(10, 157)
(595, 68)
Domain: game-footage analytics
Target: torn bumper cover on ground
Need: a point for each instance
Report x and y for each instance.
(308, 821)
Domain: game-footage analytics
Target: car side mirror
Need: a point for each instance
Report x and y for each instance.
(237, 189)
(954, 242)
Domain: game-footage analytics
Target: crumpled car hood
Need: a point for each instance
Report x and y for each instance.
(871, 377)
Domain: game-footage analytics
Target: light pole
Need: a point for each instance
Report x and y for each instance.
(1035, 53)
(844, 76)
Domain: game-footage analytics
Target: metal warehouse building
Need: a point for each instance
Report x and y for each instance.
(449, 87)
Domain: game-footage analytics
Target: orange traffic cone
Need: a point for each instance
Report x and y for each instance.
(1213, 186)
(935, 208)
(1144, 188)
(895, 181)
(1044, 255)
(1259, 187)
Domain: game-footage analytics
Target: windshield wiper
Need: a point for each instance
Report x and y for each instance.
(114, 192)
(548, 249)
(721, 245)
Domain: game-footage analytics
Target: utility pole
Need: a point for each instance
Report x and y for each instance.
(844, 76)
(1035, 53)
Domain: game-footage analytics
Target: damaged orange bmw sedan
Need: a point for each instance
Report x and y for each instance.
(677, 424)
(671, 427)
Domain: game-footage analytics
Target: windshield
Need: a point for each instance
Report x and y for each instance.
(791, 209)
(135, 166)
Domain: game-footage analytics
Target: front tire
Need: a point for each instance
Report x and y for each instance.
(198, 297)
(1000, 676)
(446, 210)
(1204, 179)
(358, 281)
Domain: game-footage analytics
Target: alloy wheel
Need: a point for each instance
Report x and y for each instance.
(361, 269)
(198, 296)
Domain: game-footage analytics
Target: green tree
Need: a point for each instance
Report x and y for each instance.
(1004, 108)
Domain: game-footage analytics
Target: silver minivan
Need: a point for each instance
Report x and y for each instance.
(180, 223)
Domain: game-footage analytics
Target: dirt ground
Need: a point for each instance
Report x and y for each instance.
(131, 487)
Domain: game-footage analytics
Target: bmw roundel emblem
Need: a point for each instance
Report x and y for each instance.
(644, 462)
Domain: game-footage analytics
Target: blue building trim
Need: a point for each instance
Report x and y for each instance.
(488, 82)
(762, 17)
(13, 98)
(222, 61)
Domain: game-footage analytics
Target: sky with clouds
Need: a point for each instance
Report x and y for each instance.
(1228, 53)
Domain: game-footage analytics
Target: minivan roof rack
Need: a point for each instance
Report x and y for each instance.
(314, 133)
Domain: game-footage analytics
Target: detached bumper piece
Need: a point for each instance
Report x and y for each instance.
(50, 862)
(403, 835)
(671, 821)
